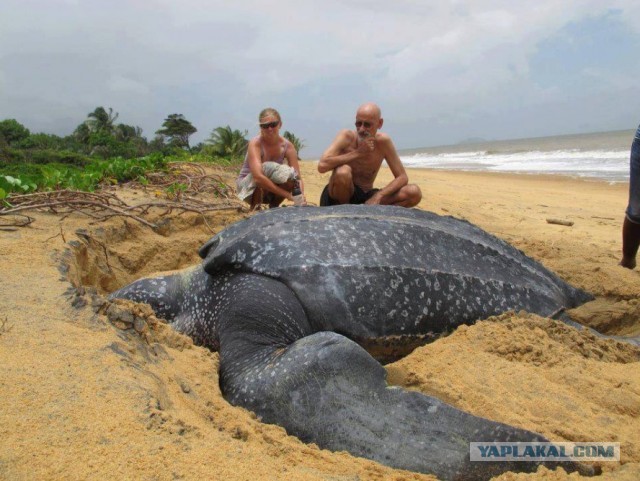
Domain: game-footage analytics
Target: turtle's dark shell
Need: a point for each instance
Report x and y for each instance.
(376, 271)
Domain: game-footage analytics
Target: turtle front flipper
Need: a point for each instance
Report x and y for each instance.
(163, 293)
(326, 389)
(188, 300)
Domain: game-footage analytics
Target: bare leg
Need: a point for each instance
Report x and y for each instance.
(341, 184)
(256, 199)
(408, 196)
(276, 200)
(630, 243)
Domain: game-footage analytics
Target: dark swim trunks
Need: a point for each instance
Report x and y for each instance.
(359, 196)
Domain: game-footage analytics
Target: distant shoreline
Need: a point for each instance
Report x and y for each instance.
(595, 156)
(508, 174)
(568, 138)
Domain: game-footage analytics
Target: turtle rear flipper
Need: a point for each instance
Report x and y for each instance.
(326, 389)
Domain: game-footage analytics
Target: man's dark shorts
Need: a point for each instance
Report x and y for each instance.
(359, 196)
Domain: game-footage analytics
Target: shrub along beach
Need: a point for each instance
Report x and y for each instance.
(101, 151)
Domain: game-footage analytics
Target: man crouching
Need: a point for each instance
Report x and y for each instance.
(355, 159)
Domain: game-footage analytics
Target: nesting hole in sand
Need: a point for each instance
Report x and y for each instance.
(111, 256)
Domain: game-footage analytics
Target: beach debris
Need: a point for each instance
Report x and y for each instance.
(568, 223)
(101, 206)
(187, 186)
(184, 179)
(11, 223)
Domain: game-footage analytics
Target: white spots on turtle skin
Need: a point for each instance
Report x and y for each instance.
(268, 247)
(375, 247)
(395, 282)
(238, 256)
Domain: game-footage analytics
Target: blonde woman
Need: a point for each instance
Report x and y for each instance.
(271, 165)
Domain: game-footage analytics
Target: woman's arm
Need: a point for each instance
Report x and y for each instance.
(292, 157)
(261, 180)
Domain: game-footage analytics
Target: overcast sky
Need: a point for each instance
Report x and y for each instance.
(442, 71)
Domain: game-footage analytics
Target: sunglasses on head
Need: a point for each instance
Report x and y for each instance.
(360, 123)
(269, 125)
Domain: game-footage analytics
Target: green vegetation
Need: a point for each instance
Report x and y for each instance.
(227, 142)
(101, 151)
(178, 130)
(24, 178)
(13, 131)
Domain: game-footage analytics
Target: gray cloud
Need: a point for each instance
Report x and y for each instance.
(441, 71)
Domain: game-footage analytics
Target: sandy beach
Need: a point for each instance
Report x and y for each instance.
(84, 397)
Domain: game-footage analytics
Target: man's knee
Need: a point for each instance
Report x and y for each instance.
(341, 184)
(413, 193)
(342, 176)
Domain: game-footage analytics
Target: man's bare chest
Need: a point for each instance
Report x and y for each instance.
(368, 164)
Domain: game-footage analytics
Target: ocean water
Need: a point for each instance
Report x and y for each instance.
(602, 155)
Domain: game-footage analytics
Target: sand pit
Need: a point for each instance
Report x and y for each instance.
(94, 390)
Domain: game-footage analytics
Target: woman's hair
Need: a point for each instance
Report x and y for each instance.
(268, 112)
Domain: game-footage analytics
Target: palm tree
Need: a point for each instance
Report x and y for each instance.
(125, 133)
(178, 129)
(101, 121)
(297, 143)
(82, 133)
(228, 142)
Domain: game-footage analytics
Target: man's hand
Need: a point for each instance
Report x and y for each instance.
(366, 144)
(375, 199)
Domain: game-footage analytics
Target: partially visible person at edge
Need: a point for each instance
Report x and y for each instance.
(355, 158)
(631, 224)
(270, 166)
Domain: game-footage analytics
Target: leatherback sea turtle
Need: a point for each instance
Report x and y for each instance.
(284, 294)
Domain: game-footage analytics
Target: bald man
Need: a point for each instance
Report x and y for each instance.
(355, 158)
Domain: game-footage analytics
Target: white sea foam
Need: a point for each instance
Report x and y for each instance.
(611, 165)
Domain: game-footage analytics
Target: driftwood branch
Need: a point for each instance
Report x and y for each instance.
(568, 223)
(12, 222)
(193, 176)
(77, 205)
(104, 205)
